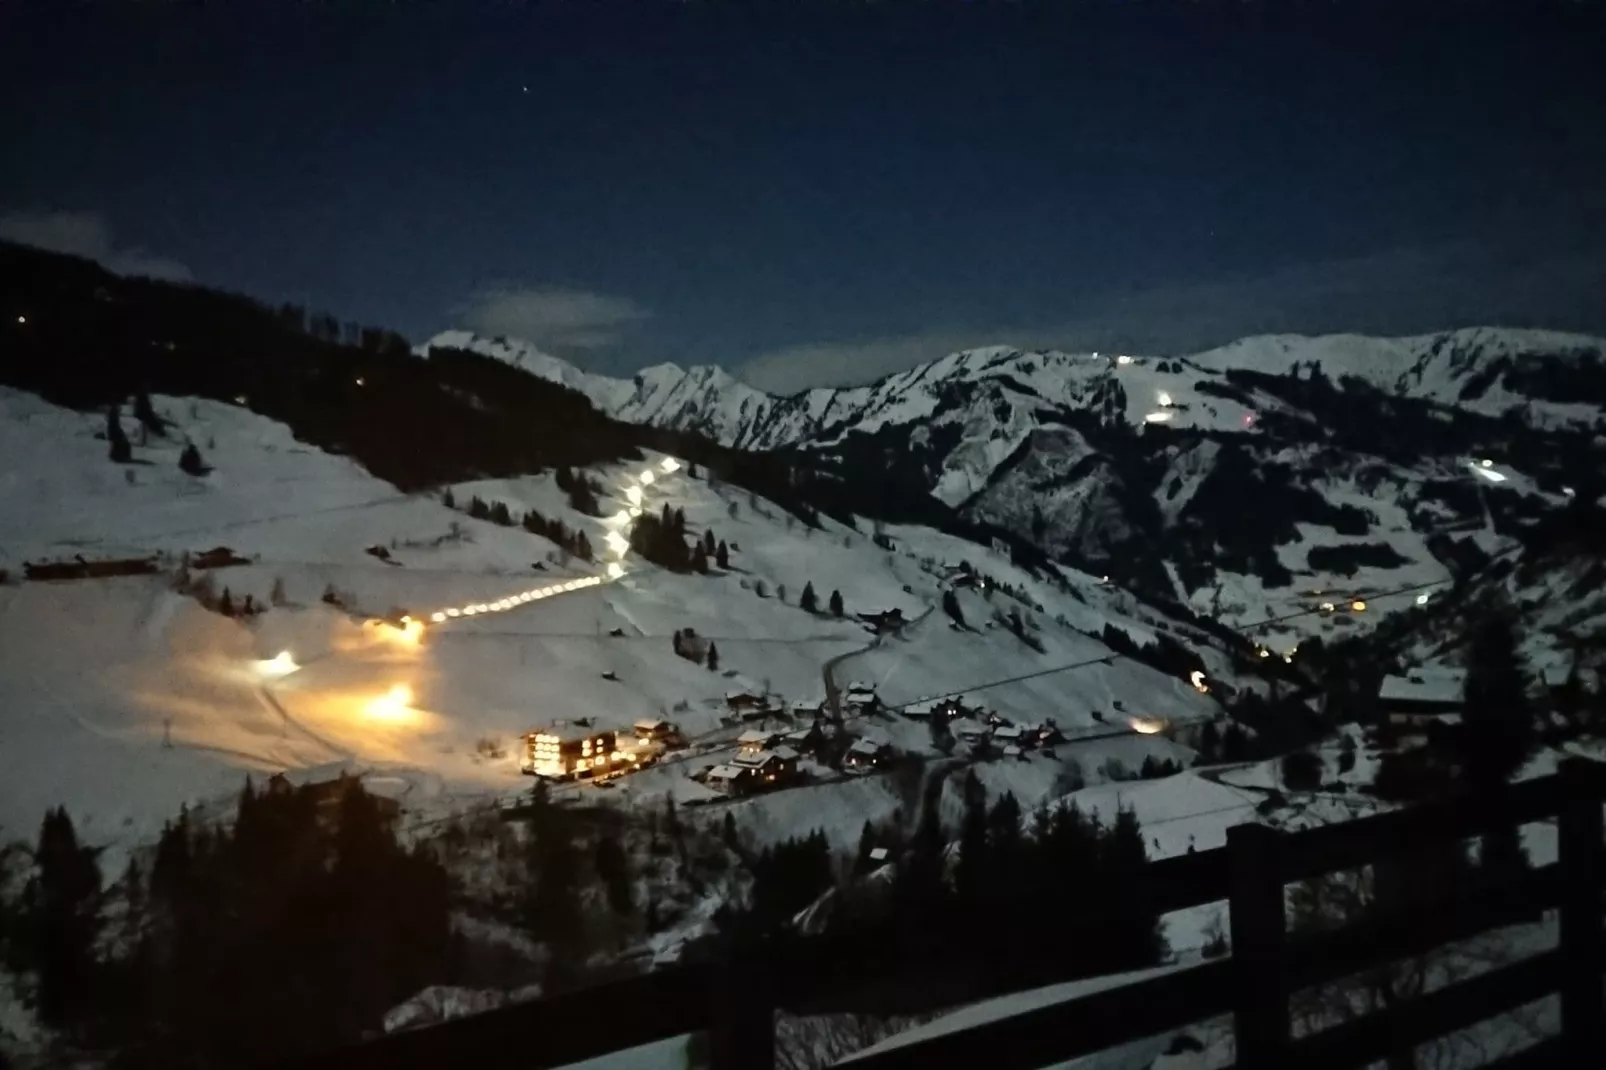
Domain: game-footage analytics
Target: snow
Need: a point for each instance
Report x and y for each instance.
(180, 707)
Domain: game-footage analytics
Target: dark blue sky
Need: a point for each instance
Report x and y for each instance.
(830, 188)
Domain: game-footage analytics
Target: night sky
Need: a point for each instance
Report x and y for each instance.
(827, 191)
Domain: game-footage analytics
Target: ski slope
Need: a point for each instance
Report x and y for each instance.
(125, 698)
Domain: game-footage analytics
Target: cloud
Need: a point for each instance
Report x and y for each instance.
(1400, 291)
(86, 234)
(554, 317)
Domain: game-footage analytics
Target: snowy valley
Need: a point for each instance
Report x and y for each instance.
(794, 642)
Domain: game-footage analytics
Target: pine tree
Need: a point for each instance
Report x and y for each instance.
(60, 920)
(728, 830)
(118, 448)
(722, 555)
(950, 606)
(699, 559)
(613, 869)
(582, 546)
(276, 595)
(836, 604)
(190, 462)
(862, 862)
(1209, 742)
(500, 515)
(1497, 730)
(225, 604)
(970, 877)
(448, 499)
(146, 415)
(710, 547)
(808, 601)
(713, 658)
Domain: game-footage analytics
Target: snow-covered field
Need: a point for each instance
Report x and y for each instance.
(125, 698)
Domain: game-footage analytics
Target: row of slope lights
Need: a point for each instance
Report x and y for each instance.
(411, 629)
(615, 570)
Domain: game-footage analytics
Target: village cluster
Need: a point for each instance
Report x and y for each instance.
(784, 744)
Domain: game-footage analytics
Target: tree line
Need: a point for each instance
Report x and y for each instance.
(291, 932)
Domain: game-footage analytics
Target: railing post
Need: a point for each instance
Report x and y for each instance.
(1583, 948)
(742, 1036)
(1259, 927)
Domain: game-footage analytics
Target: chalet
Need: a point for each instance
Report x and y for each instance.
(745, 701)
(887, 620)
(753, 742)
(1016, 753)
(920, 711)
(1421, 702)
(862, 698)
(807, 709)
(657, 730)
(803, 740)
(864, 755)
(80, 569)
(217, 557)
(729, 779)
(776, 767)
(971, 732)
(955, 706)
(1010, 735)
(572, 753)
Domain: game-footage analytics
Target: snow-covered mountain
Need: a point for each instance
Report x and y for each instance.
(184, 700)
(1230, 479)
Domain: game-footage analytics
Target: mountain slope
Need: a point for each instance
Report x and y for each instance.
(181, 703)
(1229, 480)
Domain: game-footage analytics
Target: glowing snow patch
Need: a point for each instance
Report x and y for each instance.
(1197, 679)
(1161, 417)
(617, 542)
(1148, 726)
(647, 477)
(615, 570)
(393, 705)
(1569, 492)
(275, 667)
(1123, 359)
(1487, 463)
(633, 496)
(1488, 473)
(1328, 607)
(1164, 399)
(670, 465)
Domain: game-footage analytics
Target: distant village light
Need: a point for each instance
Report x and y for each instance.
(1197, 679)
(1162, 417)
(647, 477)
(1123, 359)
(670, 465)
(22, 319)
(1422, 599)
(1358, 606)
(633, 496)
(615, 570)
(1164, 399)
(617, 542)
